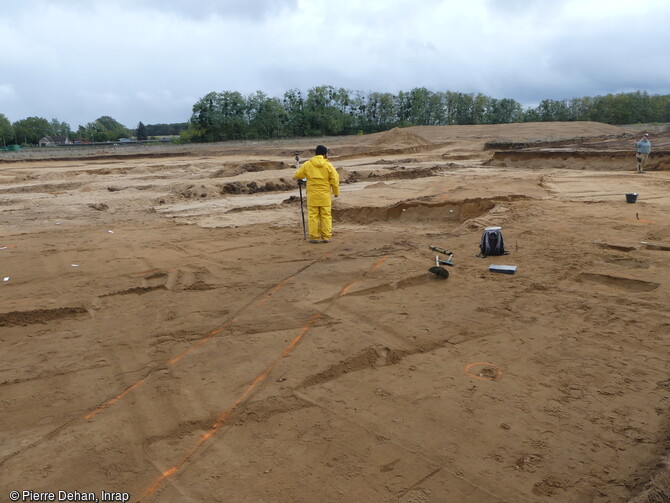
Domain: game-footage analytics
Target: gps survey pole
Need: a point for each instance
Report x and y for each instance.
(302, 210)
(300, 182)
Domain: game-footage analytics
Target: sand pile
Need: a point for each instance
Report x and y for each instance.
(234, 169)
(175, 337)
(397, 137)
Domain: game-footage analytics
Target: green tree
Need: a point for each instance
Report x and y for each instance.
(323, 112)
(31, 130)
(233, 109)
(418, 107)
(103, 129)
(437, 109)
(380, 112)
(480, 107)
(81, 134)
(343, 100)
(530, 115)
(503, 111)
(141, 132)
(578, 108)
(294, 106)
(459, 108)
(220, 116)
(553, 110)
(92, 132)
(112, 129)
(601, 110)
(265, 115)
(60, 128)
(6, 130)
(174, 129)
(204, 111)
(357, 107)
(404, 109)
(661, 108)
(326, 110)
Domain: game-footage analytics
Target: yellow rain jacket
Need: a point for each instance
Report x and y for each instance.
(321, 179)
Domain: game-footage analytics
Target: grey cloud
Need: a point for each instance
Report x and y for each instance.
(525, 8)
(151, 60)
(200, 9)
(249, 9)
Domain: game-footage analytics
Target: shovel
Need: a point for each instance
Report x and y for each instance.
(438, 270)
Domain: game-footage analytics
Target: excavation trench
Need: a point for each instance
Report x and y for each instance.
(416, 211)
(576, 159)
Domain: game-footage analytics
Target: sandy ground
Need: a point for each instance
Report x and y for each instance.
(166, 331)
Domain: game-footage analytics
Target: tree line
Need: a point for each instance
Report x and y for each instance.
(329, 111)
(31, 130)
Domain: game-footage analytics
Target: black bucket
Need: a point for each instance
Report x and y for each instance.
(631, 197)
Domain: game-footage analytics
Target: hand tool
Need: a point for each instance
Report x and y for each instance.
(441, 250)
(439, 271)
(446, 252)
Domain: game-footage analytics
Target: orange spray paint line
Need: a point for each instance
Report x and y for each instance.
(220, 420)
(112, 401)
(201, 341)
(378, 263)
(157, 483)
(348, 287)
(295, 341)
(273, 291)
(174, 360)
(194, 347)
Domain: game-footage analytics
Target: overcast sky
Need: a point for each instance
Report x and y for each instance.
(152, 60)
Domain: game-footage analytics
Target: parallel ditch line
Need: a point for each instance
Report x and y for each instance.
(198, 344)
(91, 414)
(39, 316)
(156, 485)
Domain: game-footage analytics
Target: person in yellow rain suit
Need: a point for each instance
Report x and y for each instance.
(321, 179)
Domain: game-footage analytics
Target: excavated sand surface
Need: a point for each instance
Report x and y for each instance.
(167, 332)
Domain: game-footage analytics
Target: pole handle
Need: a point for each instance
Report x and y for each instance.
(441, 250)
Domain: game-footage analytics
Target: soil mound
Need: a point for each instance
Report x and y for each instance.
(397, 137)
(238, 169)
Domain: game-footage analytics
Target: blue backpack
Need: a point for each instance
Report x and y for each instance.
(492, 242)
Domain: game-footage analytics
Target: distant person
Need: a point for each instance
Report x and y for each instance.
(321, 179)
(643, 150)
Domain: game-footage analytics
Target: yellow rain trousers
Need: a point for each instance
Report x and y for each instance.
(321, 179)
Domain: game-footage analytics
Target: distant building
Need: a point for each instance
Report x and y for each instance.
(53, 141)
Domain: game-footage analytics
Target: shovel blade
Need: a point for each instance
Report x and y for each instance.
(440, 272)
